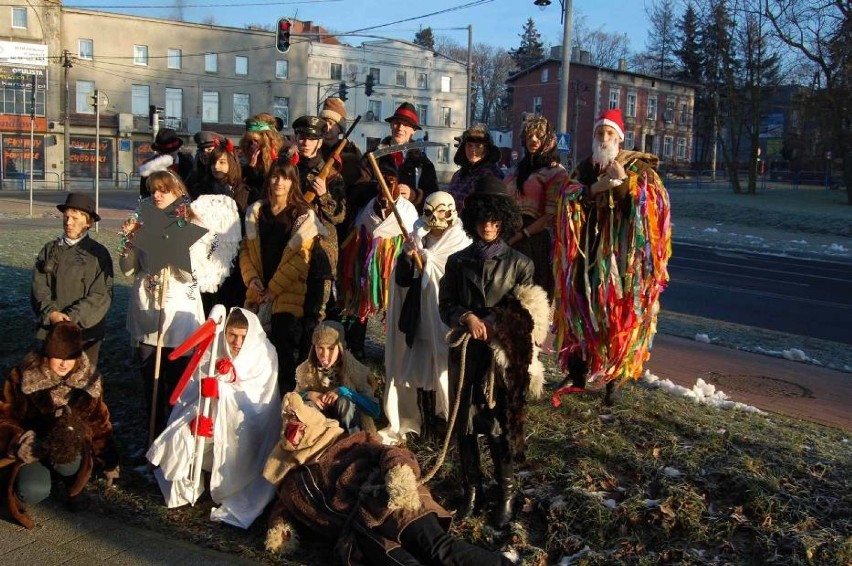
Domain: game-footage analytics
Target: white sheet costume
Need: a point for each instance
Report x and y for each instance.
(246, 425)
(424, 365)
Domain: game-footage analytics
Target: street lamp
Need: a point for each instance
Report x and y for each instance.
(567, 10)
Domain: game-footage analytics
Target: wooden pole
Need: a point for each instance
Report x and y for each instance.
(158, 358)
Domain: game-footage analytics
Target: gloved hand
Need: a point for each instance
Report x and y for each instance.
(29, 449)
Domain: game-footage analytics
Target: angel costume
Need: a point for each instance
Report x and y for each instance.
(415, 347)
(246, 424)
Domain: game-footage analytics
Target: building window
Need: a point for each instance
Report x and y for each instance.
(629, 140)
(631, 104)
(684, 115)
(281, 109)
(174, 108)
(545, 75)
(282, 69)
(446, 116)
(446, 84)
(210, 106)
(444, 153)
(173, 58)
(667, 146)
(85, 91)
(536, 105)
(681, 149)
(335, 71)
(211, 63)
(86, 49)
(652, 107)
(401, 77)
(242, 108)
(614, 98)
(140, 99)
(140, 54)
(240, 65)
(670, 110)
(376, 74)
(423, 114)
(374, 111)
(19, 17)
(422, 80)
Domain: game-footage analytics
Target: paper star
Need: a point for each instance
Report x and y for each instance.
(166, 239)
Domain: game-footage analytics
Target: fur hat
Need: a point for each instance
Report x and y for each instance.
(166, 141)
(79, 201)
(478, 133)
(333, 109)
(329, 333)
(64, 341)
(613, 119)
(407, 114)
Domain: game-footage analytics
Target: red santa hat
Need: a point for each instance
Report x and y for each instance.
(612, 118)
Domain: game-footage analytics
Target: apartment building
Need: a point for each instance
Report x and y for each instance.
(203, 76)
(657, 112)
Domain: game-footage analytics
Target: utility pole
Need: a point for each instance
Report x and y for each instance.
(96, 102)
(66, 127)
(469, 73)
(32, 138)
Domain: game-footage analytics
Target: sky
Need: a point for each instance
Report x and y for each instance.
(495, 22)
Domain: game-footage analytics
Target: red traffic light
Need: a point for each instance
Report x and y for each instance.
(282, 37)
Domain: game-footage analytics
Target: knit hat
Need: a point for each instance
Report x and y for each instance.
(407, 114)
(64, 341)
(333, 109)
(166, 141)
(79, 201)
(612, 118)
(329, 333)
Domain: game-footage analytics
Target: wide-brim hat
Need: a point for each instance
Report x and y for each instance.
(407, 114)
(167, 141)
(79, 201)
(490, 186)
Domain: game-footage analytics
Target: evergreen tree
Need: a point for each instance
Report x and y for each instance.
(688, 51)
(531, 50)
(662, 37)
(425, 38)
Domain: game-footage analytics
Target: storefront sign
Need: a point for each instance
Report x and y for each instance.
(82, 157)
(17, 151)
(16, 53)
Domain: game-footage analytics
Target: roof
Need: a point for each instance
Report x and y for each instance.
(549, 60)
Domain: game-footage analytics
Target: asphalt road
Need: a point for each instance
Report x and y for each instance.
(807, 298)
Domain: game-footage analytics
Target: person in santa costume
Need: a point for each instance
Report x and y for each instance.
(241, 428)
(498, 318)
(612, 246)
(416, 388)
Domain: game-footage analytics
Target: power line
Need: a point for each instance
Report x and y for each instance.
(438, 13)
(172, 5)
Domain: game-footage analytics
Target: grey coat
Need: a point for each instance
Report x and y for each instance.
(76, 280)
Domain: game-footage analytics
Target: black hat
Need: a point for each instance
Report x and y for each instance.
(310, 126)
(491, 186)
(64, 341)
(166, 141)
(407, 114)
(206, 138)
(79, 201)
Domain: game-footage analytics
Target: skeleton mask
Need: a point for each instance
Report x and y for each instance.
(439, 210)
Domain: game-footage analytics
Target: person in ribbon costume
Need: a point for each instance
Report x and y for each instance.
(613, 243)
(416, 390)
(242, 426)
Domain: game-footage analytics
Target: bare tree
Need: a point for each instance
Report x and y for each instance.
(605, 49)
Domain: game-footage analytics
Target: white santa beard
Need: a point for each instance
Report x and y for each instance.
(605, 153)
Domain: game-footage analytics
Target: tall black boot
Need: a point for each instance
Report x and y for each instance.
(578, 371)
(426, 403)
(505, 476)
(471, 474)
(356, 335)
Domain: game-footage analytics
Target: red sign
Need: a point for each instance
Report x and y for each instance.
(16, 123)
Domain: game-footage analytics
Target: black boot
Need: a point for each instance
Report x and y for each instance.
(356, 335)
(505, 476)
(577, 371)
(471, 474)
(426, 404)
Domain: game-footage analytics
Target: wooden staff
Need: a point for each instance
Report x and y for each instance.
(418, 261)
(158, 358)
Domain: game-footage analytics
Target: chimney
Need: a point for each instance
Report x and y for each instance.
(622, 64)
(585, 57)
(556, 52)
(575, 55)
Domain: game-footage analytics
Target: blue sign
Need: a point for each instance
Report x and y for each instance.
(563, 143)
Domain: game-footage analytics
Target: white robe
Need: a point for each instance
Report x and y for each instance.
(246, 426)
(425, 364)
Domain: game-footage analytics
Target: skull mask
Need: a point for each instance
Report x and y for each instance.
(439, 210)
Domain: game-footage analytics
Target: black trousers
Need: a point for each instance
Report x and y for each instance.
(425, 542)
(285, 336)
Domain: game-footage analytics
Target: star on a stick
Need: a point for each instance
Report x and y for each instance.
(166, 239)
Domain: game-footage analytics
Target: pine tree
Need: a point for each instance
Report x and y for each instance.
(661, 42)
(531, 50)
(689, 52)
(425, 38)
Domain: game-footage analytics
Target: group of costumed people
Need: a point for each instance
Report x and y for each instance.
(297, 246)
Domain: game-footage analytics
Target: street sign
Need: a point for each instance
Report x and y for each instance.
(563, 143)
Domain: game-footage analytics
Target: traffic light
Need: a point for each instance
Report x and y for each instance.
(282, 38)
(343, 92)
(368, 85)
(154, 114)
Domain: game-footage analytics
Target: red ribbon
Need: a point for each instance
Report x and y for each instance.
(569, 389)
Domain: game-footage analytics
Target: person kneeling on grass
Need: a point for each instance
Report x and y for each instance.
(328, 367)
(53, 419)
(360, 493)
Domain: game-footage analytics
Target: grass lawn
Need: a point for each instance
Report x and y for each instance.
(652, 480)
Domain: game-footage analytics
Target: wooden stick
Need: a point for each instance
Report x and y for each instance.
(418, 261)
(159, 356)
